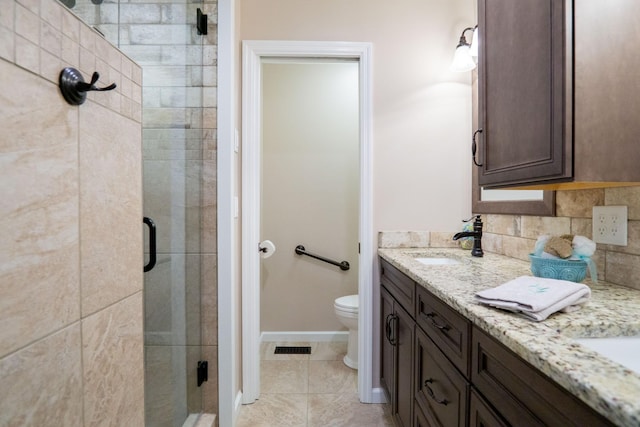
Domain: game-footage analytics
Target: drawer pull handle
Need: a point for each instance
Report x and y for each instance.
(387, 328)
(432, 394)
(436, 324)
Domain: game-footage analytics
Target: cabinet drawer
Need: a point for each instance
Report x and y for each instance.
(521, 393)
(448, 329)
(439, 388)
(481, 414)
(401, 287)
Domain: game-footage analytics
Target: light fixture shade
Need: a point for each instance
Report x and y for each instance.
(462, 60)
(475, 41)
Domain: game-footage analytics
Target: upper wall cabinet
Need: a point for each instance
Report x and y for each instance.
(559, 102)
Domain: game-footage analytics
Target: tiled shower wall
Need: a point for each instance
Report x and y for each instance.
(515, 235)
(71, 340)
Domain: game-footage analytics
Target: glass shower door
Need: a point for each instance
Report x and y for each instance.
(161, 36)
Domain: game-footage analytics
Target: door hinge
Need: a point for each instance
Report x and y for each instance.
(203, 372)
(358, 247)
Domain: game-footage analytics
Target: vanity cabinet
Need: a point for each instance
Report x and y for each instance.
(440, 370)
(398, 326)
(520, 393)
(558, 95)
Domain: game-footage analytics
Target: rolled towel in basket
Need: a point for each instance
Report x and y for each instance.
(536, 298)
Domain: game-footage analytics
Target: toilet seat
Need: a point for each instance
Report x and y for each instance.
(347, 303)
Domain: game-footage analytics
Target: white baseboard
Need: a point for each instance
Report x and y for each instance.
(304, 336)
(378, 396)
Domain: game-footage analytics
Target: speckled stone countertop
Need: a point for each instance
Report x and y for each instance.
(606, 386)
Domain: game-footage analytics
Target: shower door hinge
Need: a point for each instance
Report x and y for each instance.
(203, 372)
(201, 22)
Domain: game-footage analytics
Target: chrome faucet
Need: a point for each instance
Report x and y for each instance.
(476, 234)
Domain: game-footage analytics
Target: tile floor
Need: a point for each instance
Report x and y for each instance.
(310, 391)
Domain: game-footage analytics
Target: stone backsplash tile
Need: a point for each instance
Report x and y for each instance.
(623, 269)
(578, 204)
(628, 196)
(616, 264)
(404, 239)
(503, 224)
(535, 226)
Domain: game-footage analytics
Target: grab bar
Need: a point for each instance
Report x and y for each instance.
(152, 244)
(344, 265)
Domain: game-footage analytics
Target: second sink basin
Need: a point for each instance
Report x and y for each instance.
(623, 350)
(437, 261)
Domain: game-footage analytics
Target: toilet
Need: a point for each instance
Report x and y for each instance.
(347, 311)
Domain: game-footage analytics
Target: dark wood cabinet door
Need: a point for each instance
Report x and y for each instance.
(387, 348)
(404, 391)
(524, 106)
(440, 389)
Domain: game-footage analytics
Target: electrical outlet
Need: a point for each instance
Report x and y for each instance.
(610, 225)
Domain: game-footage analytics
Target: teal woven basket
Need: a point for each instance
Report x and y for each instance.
(551, 268)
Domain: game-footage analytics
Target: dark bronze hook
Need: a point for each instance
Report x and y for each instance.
(74, 89)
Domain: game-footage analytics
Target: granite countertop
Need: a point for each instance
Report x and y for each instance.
(606, 386)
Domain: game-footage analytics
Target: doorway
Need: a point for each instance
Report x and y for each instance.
(254, 52)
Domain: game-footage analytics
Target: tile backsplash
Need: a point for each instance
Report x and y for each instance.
(515, 235)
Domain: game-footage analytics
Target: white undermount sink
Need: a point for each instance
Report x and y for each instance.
(623, 350)
(437, 261)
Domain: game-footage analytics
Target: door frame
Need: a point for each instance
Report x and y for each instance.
(252, 53)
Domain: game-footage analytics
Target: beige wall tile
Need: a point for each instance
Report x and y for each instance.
(578, 203)
(403, 239)
(51, 12)
(28, 112)
(7, 15)
(633, 240)
(623, 269)
(492, 243)
(517, 247)
(160, 381)
(42, 383)
(209, 269)
(535, 226)
(113, 365)
(51, 39)
(27, 54)
(110, 208)
(210, 388)
(50, 66)
(443, 240)
(27, 24)
(8, 45)
(503, 224)
(72, 27)
(581, 227)
(39, 163)
(628, 196)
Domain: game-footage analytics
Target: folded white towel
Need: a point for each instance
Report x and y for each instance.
(536, 298)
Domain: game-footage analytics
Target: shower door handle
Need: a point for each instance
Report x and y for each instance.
(152, 243)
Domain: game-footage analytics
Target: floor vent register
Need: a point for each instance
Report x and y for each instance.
(292, 350)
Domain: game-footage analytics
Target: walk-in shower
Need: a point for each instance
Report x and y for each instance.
(178, 111)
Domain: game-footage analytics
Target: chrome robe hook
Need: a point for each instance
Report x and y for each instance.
(73, 87)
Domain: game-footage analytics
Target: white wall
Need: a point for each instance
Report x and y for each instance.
(422, 111)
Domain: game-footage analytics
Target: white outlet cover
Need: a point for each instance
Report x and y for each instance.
(610, 225)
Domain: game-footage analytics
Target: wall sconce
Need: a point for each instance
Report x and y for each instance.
(463, 59)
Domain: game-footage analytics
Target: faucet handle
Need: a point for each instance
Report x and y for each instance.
(475, 217)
